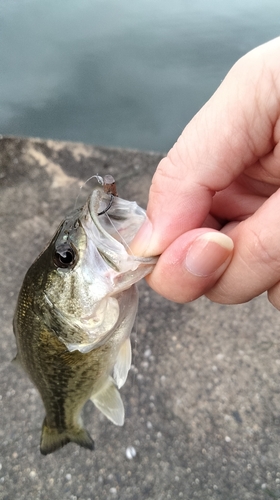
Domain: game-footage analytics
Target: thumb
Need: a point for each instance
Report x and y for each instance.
(191, 265)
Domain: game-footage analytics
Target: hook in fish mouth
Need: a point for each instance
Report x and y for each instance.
(109, 186)
(108, 206)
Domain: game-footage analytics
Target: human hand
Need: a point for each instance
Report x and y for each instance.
(222, 178)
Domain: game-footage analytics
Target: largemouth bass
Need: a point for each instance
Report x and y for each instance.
(75, 312)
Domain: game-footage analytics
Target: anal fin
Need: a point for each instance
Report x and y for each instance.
(52, 439)
(109, 402)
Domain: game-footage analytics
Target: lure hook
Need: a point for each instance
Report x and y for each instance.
(109, 186)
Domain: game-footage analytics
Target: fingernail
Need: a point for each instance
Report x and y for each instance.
(207, 253)
(140, 243)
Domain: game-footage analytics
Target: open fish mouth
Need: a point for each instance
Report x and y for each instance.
(117, 221)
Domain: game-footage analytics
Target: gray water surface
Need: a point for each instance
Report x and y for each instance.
(117, 72)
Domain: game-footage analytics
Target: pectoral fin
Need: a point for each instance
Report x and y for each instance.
(109, 402)
(123, 364)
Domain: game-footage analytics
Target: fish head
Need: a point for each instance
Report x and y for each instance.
(90, 271)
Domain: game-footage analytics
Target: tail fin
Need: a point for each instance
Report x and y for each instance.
(52, 439)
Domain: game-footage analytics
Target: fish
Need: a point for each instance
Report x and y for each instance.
(75, 312)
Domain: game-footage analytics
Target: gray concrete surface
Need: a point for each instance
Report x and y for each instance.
(202, 399)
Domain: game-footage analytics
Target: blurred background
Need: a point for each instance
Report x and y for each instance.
(120, 72)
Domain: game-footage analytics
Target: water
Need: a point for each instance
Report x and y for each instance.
(120, 72)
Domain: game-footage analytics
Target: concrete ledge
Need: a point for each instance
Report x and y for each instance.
(202, 400)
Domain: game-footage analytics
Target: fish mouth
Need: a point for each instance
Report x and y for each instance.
(115, 217)
(117, 221)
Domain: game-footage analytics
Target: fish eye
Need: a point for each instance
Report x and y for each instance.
(65, 256)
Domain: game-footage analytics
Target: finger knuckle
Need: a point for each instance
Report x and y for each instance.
(263, 249)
